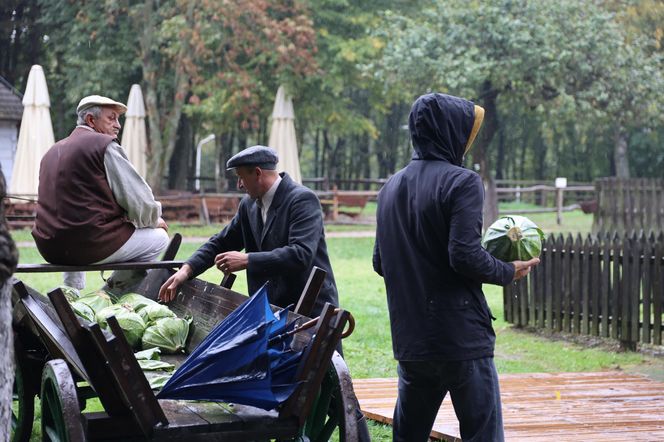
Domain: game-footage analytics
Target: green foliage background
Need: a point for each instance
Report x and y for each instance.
(571, 88)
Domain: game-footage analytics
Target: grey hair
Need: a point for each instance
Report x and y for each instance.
(94, 110)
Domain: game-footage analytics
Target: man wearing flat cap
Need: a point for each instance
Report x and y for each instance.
(279, 225)
(93, 207)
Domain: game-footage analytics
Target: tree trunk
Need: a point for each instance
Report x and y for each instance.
(164, 117)
(620, 152)
(500, 157)
(489, 129)
(178, 166)
(8, 261)
(224, 146)
(317, 155)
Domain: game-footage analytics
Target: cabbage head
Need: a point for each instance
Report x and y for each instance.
(96, 301)
(513, 238)
(168, 334)
(83, 311)
(70, 293)
(150, 313)
(136, 301)
(130, 322)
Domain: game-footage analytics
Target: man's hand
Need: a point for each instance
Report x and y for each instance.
(229, 262)
(522, 268)
(161, 224)
(169, 289)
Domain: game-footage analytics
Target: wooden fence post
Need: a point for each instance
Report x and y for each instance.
(658, 293)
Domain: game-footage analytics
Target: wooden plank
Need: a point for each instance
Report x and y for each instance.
(514, 298)
(172, 249)
(97, 370)
(595, 286)
(309, 294)
(51, 330)
(585, 287)
(658, 292)
(625, 289)
(533, 297)
(140, 393)
(600, 406)
(558, 287)
(605, 284)
(577, 284)
(616, 307)
(548, 292)
(315, 362)
(56, 268)
(507, 311)
(567, 284)
(647, 267)
(635, 290)
(521, 287)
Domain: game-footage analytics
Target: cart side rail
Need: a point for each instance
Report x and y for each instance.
(315, 362)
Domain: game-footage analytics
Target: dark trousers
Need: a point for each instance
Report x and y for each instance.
(473, 387)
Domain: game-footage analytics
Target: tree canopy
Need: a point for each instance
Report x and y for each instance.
(560, 80)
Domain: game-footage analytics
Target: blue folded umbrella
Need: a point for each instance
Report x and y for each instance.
(244, 360)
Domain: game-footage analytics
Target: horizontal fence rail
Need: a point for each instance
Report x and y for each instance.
(603, 285)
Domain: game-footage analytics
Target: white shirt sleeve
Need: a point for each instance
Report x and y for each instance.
(130, 189)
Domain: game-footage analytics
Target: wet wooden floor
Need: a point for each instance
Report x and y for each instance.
(604, 406)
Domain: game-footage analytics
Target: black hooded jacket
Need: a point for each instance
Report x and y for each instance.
(428, 241)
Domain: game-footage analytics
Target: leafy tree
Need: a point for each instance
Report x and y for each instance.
(20, 39)
(548, 58)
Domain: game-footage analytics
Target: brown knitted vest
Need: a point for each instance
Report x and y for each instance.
(78, 220)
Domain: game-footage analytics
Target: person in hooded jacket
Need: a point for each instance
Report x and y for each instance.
(428, 250)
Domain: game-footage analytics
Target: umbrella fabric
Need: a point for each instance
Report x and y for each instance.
(134, 134)
(35, 136)
(238, 363)
(282, 135)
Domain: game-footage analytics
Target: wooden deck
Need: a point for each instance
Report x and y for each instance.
(604, 406)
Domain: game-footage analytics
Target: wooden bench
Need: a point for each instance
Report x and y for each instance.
(338, 202)
(200, 208)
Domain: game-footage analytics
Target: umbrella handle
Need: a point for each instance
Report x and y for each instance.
(312, 322)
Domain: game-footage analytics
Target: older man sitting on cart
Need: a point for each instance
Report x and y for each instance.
(93, 206)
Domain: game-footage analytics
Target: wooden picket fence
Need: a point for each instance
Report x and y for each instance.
(624, 205)
(602, 285)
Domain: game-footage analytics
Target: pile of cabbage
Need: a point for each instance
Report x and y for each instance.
(513, 238)
(146, 323)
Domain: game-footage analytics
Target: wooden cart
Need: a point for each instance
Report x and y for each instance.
(66, 362)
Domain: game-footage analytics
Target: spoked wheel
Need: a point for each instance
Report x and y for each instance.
(336, 407)
(61, 415)
(26, 384)
(23, 407)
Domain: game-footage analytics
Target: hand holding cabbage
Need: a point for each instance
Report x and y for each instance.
(515, 239)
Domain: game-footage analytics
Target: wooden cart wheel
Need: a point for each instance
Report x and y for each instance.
(336, 407)
(324, 416)
(23, 407)
(60, 412)
(26, 384)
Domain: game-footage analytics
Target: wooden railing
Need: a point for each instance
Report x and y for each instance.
(608, 286)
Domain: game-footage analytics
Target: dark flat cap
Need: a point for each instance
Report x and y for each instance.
(259, 156)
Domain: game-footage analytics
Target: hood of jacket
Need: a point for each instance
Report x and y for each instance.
(440, 126)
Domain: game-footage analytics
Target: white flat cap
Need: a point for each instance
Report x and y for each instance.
(98, 100)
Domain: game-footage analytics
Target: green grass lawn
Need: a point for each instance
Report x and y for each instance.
(368, 351)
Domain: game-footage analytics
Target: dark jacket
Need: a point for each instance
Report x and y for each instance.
(78, 220)
(284, 252)
(428, 242)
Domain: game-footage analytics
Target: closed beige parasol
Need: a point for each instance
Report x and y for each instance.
(282, 135)
(35, 136)
(134, 134)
